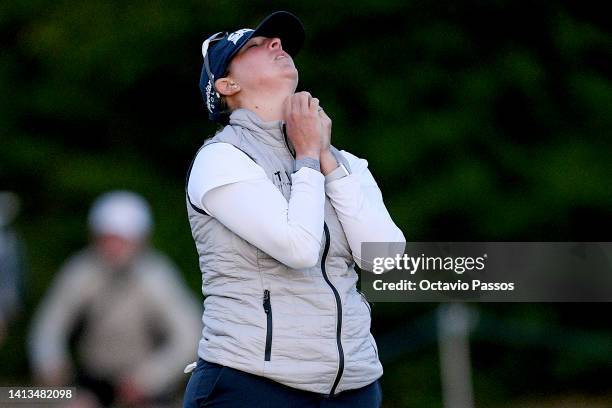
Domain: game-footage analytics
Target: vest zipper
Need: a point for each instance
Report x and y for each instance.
(268, 309)
(339, 310)
(334, 290)
(286, 141)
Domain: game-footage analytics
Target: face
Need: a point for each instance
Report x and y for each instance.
(262, 64)
(116, 251)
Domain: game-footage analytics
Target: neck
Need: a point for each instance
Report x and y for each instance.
(268, 106)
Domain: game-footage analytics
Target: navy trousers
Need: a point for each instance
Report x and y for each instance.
(213, 385)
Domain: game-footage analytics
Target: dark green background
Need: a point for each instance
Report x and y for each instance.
(481, 120)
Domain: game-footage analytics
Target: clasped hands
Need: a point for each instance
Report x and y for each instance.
(309, 129)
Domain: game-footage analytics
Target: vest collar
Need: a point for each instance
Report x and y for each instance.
(270, 133)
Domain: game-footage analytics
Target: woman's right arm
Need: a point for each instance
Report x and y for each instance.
(232, 188)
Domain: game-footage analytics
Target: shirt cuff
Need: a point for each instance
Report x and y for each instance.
(307, 162)
(336, 174)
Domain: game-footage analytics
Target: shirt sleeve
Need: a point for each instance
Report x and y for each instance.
(361, 210)
(55, 318)
(216, 165)
(238, 193)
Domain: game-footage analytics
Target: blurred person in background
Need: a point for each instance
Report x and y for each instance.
(278, 216)
(11, 263)
(135, 320)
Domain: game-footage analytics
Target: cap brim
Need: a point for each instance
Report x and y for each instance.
(285, 26)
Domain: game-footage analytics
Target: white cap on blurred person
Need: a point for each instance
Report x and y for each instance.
(122, 213)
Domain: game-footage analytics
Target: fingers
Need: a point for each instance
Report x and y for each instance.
(302, 103)
(305, 99)
(304, 125)
(314, 105)
(296, 104)
(323, 114)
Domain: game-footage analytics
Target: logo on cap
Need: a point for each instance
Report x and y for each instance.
(236, 35)
(210, 97)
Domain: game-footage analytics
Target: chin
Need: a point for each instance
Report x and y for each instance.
(293, 74)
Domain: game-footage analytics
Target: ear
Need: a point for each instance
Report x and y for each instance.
(227, 86)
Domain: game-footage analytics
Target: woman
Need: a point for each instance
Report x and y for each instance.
(278, 216)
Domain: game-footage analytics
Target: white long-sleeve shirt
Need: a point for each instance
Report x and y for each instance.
(231, 187)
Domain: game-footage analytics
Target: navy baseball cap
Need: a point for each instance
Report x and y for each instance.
(219, 49)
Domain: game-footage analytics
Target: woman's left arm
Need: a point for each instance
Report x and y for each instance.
(360, 207)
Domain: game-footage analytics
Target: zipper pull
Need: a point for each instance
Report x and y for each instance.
(266, 301)
(190, 367)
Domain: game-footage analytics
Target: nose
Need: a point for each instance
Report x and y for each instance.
(275, 43)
